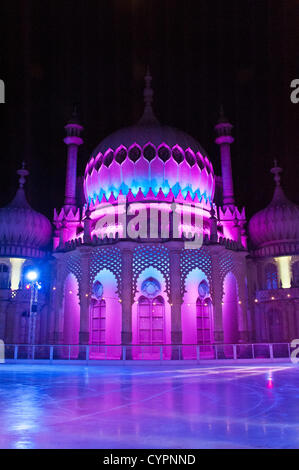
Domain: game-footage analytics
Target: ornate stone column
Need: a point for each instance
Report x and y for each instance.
(52, 301)
(224, 139)
(126, 293)
(175, 295)
(58, 301)
(72, 140)
(3, 306)
(84, 294)
(175, 250)
(240, 263)
(217, 292)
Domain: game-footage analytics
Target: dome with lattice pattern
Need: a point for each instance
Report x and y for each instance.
(149, 156)
(23, 231)
(277, 225)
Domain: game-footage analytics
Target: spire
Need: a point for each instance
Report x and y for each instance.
(148, 116)
(75, 117)
(213, 226)
(279, 196)
(22, 173)
(276, 170)
(20, 198)
(87, 225)
(222, 118)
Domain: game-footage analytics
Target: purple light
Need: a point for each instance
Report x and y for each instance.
(168, 168)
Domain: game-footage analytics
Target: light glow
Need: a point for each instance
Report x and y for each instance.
(16, 271)
(284, 264)
(32, 275)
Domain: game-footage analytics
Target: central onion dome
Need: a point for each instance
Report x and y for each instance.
(275, 229)
(23, 231)
(149, 157)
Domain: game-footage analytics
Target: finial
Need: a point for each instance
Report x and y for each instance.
(75, 117)
(236, 221)
(75, 113)
(148, 116)
(22, 173)
(276, 170)
(212, 213)
(222, 118)
(88, 211)
(148, 91)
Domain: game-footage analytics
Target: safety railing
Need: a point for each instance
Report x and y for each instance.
(134, 352)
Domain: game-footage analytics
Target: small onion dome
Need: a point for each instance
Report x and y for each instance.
(275, 229)
(23, 231)
(149, 156)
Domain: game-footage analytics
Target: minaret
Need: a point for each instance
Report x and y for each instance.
(224, 139)
(72, 140)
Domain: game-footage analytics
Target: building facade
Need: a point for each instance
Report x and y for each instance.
(155, 254)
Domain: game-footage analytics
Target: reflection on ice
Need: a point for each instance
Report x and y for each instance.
(149, 406)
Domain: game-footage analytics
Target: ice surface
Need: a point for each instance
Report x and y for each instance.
(55, 406)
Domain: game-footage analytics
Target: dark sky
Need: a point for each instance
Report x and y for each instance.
(241, 53)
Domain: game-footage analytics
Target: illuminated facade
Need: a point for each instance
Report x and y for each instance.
(24, 237)
(125, 267)
(273, 268)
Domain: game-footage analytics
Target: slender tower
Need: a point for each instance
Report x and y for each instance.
(72, 140)
(224, 139)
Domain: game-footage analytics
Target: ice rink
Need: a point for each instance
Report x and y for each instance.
(55, 406)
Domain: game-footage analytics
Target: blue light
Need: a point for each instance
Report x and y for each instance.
(32, 275)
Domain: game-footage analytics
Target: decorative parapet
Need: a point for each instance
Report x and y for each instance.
(143, 195)
(232, 213)
(69, 215)
(106, 221)
(283, 248)
(277, 294)
(233, 220)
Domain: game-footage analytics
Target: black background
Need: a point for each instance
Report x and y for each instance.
(241, 53)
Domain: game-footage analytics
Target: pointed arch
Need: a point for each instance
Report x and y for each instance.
(275, 325)
(4, 275)
(105, 316)
(271, 276)
(295, 274)
(151, 315)
(230, 308)
(71, 308)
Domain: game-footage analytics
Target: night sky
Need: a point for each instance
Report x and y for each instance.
(241, 53)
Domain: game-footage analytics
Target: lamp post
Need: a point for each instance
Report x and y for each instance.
(32, 277)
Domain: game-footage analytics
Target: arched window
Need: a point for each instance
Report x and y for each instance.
(271, 276)
(98, 322)
(151, 320)
(203, 289)
(98, 315)
(24, 320)
(4, 276)
(275, 326)
(97, 290)
(295, 274)
(203, 320)
(204, 314)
